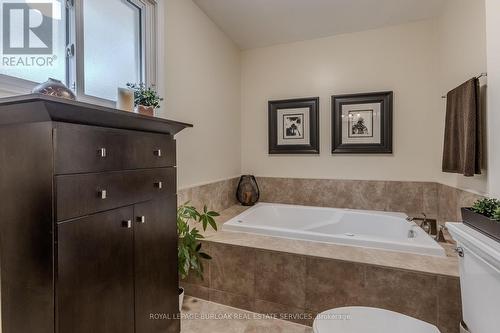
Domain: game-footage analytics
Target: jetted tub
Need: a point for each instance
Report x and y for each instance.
(371, 229)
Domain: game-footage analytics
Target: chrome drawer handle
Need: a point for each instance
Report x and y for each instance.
(141, 219)
(159, 185)
(102, 152)
(157, 152)
(127, 224)
(460, 251)
(103, 194)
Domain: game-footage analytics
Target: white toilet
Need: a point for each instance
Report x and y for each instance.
(359, 319)
(480, 286)
(479, 278)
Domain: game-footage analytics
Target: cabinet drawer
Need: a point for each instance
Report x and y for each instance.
(80, 149)
(79, 195)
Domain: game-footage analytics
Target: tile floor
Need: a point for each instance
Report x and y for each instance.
(200, 316)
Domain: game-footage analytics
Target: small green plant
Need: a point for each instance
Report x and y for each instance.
(146, 96)
(487, 207)
(496, 214)
(190, 253)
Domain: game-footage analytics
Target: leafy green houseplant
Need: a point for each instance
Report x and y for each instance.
(189, 247)
(146, 99)
(484, 215)
(190, 252)
(486, 207)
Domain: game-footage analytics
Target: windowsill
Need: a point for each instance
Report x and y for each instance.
(11, 86)
(15, 86)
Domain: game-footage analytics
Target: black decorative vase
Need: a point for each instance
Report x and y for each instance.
(248, 190)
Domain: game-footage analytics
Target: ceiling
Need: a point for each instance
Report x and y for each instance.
(258, 23)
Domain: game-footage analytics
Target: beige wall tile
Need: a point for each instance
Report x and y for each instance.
(280, 278)
(278, 190)
(448, 203)
(332, 283)
(369, 195)
(217, 196)
(405, 292)
(436, 200)
(335, 193)
(449, 304)
(405, 197)
(451, 200)
(232, 269)
(430, 199)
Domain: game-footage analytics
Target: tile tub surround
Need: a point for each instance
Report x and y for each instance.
(297, 287)
(436, 200)
(451, 200)
(298, 279)
(217, 195)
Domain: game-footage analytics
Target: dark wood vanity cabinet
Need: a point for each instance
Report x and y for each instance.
(88, 238)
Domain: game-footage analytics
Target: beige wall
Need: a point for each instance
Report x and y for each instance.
(399, 58)
(419, 61)
(493, 55)
(202, 74)
(462, 54)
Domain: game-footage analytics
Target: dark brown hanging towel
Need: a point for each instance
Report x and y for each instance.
(462, 135)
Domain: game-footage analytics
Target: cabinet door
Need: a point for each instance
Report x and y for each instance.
(95, 281)
(156, 277)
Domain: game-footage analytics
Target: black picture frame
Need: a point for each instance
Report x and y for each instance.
(385, 98)
(312, 103)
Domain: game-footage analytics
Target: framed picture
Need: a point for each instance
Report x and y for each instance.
(362, 123)
(294, 126)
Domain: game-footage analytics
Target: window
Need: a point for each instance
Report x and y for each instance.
(33, 67)
(111, 59)
(93, 46)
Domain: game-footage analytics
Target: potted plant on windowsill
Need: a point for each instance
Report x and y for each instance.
(146, 99)
(484, 216)
(190, 253)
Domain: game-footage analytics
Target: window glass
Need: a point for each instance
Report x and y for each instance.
(112, 46)
(33, 39)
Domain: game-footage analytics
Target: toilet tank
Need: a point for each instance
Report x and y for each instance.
(479, 267)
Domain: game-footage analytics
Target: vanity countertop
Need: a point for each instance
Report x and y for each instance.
(39, 108)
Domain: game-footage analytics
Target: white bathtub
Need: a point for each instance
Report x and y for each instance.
(371, 229)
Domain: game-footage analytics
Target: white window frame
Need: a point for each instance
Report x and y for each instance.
(75, 61)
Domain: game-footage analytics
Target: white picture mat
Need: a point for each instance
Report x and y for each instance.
(306, 140)
(346, 108)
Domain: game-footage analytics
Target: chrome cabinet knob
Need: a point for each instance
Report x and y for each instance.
(157, 152)
(127, 224)
(102, 152)
(103, 194)
(159, 185)
(141, 219)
